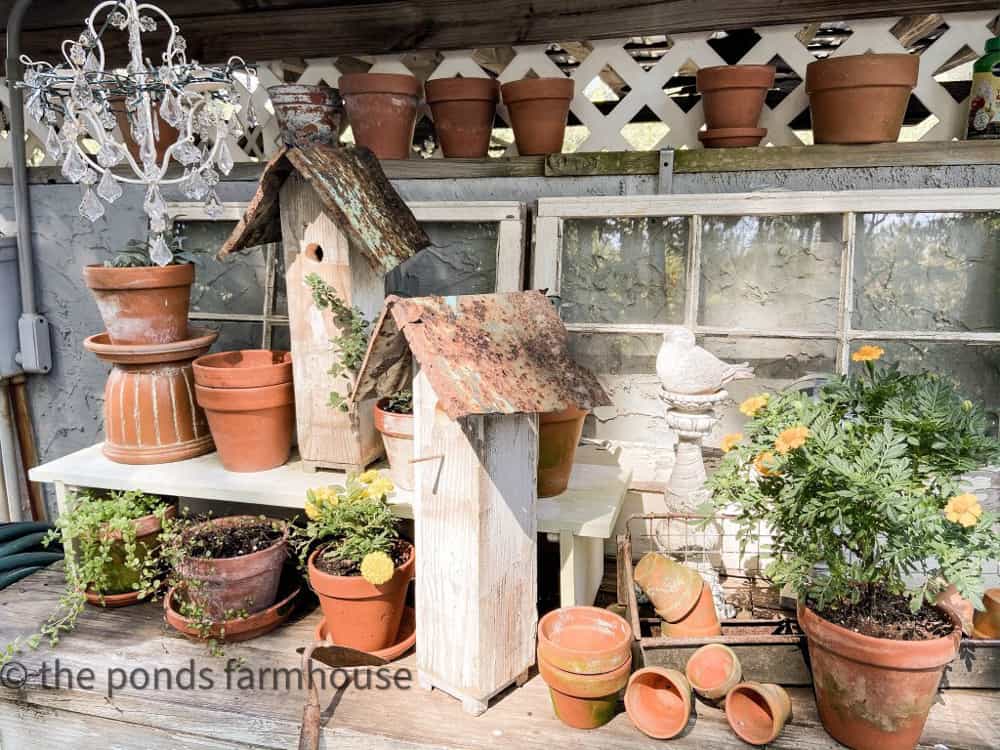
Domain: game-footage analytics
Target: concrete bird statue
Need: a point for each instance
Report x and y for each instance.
(686, 368)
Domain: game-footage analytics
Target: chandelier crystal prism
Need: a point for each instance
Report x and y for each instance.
(94, 114)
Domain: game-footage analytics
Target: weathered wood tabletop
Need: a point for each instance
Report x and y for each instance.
(133, 642)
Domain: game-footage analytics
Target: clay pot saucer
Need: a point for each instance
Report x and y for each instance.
(112, 601)
(405, 639)
(198, 342)
(732, 137)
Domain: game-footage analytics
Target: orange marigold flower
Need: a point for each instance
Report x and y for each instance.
(730, 441)
(765, 465)
(868, 353)
(754, 404)
(964, 509)
(792, 438)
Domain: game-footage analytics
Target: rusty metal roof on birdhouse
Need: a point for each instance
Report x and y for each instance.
(482, 353)
(355, 194)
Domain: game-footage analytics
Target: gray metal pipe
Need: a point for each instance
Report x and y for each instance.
(8, 456)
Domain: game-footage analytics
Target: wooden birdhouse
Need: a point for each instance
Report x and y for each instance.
(337, 216)
(482, 367)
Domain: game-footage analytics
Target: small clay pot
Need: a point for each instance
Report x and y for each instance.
(246, 368)
(732, 137)
(143, 305)
(713, 670)
(358, 614)
(307, 114)
(701, 622)
(252, 427)
(463, 111)
(584, 701)
(987, 622)
(672, 588)
(658, 702)
(758, 712)
(558, 437)
(860, 98)
(405, 639)
(584, 640)
(538, 108)
(397, 435)
(733, 95)
(382, 109)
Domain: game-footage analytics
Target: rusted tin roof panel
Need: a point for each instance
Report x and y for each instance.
(261, 222)
(483, 354)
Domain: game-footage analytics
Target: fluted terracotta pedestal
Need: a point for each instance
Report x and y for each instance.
(150, 412)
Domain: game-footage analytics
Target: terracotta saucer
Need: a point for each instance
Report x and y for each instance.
(198, 342)
(405, 639)
(113, 601)
(732, 137)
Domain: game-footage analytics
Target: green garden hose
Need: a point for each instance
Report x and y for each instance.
(13, 576)
(27, 559)
(23, 544)
(10, 531)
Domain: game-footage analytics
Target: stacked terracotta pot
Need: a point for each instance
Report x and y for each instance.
(679, 596)
(733, 97)
(585, 657)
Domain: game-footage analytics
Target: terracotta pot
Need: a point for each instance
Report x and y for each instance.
(701, 622)
(584, 701)
(246, 368)
(658, 702)
(860, 98)
(252, 427)
(713, 670)
(874, 693)
(382, 108)
(150, 413)
(987, 622)
(538, 108)
(405, 639)
(228, 584)
(961, 607)
(168, 133)
(463, 110)
(733, 95)
(307, 114)
(359, 614)
(397, 435)
(237, 629)
(758, 712)
(732, 137)
(672, 588)
(558, 437)
(584, 640)
(143, 305)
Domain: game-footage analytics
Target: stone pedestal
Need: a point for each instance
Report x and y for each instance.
(691, 417)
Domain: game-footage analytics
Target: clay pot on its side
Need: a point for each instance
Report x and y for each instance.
(307, 114)
(961, 607)
(143, 305)
(584, 701)
(252, 427)
(558, 437)
(382, 108)
(987, 622)
(701, 622)
(758, 712)
(359, 614)
(397, 435)
(463, 110)
(874, 693)
(860, 98)
(538, 108)
(713, 671)
(584, 640)
(231, 584)
(672, 588)
(658, 702)
(733, 96)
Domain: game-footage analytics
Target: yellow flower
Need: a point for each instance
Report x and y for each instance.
(379, 488)
(966, 405)
(754, 404)
(377, 568)
(369, 476)
(730, 441)
(765, 465)
(868, 353)
(318, 498)
(964, 509)
(792, 438)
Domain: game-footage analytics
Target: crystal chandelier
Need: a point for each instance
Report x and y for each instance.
(83, 103)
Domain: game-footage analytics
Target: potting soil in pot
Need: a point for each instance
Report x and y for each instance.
(887, 616)
(234, 541)
(400, 553)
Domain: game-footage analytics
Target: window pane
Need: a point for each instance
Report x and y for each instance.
(462, 259)
(234, 285)
(927, 271)
(233, 334)
(771, 272)
(624, 270)
(281, 338)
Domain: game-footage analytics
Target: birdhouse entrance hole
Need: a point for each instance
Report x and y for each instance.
(314, 251)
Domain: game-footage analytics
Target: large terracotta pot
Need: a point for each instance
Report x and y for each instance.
(307, 114)
(397, 435)
(713, 670)
(538, 108)
(359, 614)
(143, 305)
(231, 584)
(733, 97)
(860, 98)
(672, 588)
(874, 693)
(382, 108)
(463, 110)
(702, 621)
(758, 712)
(584, 640)
(987, 623)
(658, 702)
(584, 701)
(558, 436)
(150, 412)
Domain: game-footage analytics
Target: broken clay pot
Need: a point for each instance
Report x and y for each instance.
(463, 110)
(584, 640)
(143, 305)
(758, 712)
(538, 108)
(382, 109)
(658, 701)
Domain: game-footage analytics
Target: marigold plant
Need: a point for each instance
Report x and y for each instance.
(860, 487)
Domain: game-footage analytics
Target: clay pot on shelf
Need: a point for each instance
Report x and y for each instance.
(860, 98)
(307, 114)
(758, 712)
(250, 406)
(673, 589)
(463, 110)
(584, 701)
(713, 670)
(397, 435)
(382, 109)
(987, 623)
(168, 133)
(702, 621)
(658, 702)
(559, 435)
(584, 640)
(733, 97)
(143, 305)
(359, 614)
(874, 693)
(538, 108)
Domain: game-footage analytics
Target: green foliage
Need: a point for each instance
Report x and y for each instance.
(860, 507)
(136, 252)
(400, 402)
